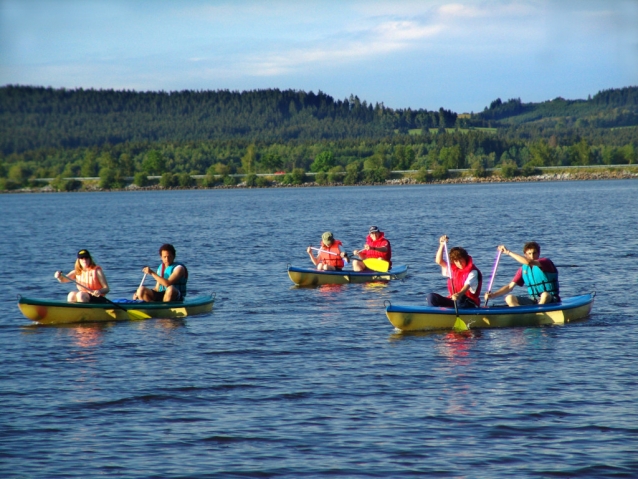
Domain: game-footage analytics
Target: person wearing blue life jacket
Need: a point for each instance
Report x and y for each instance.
(171, 278)
(539, 275)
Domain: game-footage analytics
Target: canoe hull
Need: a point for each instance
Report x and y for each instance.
(312, 277)
(408, 318)
(60, 312)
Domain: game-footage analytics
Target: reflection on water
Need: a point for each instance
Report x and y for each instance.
(456, 346)
(87, 336)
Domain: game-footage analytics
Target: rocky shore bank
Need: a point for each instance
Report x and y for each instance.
(631, 172)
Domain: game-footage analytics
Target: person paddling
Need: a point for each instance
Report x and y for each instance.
(538, 274)
(377, 246)
(171, 279)
(466, 281)
(90, 280)
(329, 257)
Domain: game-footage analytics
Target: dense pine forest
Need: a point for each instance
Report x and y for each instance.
(115, 135)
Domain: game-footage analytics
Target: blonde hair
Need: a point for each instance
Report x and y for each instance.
(78, 265)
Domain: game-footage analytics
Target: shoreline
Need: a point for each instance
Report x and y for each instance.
(598, 175)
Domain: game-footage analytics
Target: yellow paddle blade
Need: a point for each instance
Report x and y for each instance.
(459, 325)
(377, 264)
(136, 315)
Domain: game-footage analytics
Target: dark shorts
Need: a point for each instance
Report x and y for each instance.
(158, 296)
(529, 300)
(435, 299)
(97, 299)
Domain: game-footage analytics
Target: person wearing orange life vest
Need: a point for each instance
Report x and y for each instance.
(467, 280)
(92, 285)
(377, 246)
(329, 257)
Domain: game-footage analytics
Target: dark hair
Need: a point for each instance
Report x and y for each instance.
(457, 253)
(167, 247)
(532, 245)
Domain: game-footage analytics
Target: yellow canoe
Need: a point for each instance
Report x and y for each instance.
(313, 277)
(419, 318)
(61, 312)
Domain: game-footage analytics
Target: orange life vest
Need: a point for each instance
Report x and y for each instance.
(89, 278)
(331, 259)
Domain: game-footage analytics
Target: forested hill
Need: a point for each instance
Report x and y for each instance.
(608, 108)
(36, 117)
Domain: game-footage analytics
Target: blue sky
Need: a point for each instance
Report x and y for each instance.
(459, 55)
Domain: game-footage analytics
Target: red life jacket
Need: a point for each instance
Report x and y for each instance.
(331, 259)
(379, 243)
(458, 279)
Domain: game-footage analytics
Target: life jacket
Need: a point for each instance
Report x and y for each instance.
(331, 259)
(88, 278)
(539, 281)
(458, 281)
(166, 271)
(379, 243)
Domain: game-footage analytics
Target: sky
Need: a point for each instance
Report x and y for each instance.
(459, 55)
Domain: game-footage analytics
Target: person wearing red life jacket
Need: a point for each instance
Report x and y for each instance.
(467, 280)
(329, 257)
(377, 246)
(92, 284)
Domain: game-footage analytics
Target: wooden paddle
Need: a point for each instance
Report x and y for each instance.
(459, 324)
(132, 314)
(489, 288)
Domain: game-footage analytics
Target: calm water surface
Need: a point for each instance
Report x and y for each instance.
(287, 382)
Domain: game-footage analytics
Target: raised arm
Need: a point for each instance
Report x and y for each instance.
(517, 257)
(439, 253)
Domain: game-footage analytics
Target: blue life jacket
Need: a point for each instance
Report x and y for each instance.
(166, 273)
(538, 282)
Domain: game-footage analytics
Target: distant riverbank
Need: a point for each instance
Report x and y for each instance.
(616, 172)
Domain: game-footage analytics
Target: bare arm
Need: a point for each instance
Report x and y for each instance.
(105, 285)
(312, 258)
(501, 291)
(517, 257)
(439, 253)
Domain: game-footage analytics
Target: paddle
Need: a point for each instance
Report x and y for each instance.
(459, 324)
(132, 314)
(489, 288)
(345, 258)
(377, 265)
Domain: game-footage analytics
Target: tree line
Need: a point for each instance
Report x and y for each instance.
(57, 133)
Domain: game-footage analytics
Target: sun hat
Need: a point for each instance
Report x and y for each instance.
(327, 237)
(84, 253)
(373, 229)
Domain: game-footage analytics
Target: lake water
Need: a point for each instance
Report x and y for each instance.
(299, 382)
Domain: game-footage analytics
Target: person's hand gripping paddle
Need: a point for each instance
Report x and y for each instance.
(489, 288)
(132, 314)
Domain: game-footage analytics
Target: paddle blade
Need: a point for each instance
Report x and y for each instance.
(135, 315)
(459, 325)
(377, 264)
